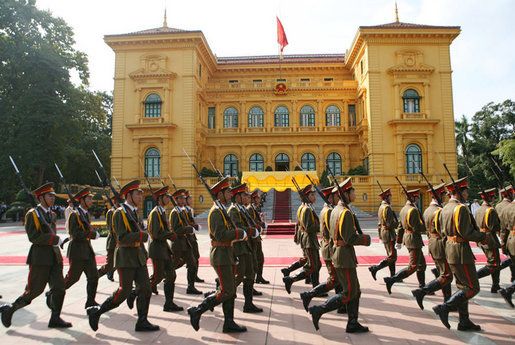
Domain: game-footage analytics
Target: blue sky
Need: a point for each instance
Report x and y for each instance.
(483, 56)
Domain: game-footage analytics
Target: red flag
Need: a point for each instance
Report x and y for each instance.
(281, 35)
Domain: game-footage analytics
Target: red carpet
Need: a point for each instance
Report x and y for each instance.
(281, 224)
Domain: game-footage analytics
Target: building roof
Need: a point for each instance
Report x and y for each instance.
(155, 31)
(402, 25)
(265, 59)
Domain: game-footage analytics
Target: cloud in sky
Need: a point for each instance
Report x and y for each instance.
(483, 56)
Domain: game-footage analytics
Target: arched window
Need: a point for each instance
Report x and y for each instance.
(256, 162)
(282, 162)
(307, 116)
(153, 105)
(231, 118)
(256, 116)
(411, 101)
(230, 165)
(152, 162)
(308, 162)
(334, 161)
(332, 116)
(281, 117)
(413, 159)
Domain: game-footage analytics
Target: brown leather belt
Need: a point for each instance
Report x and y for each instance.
(455, 239)
(484, 230)
(409, 231)
(340, 243)
(135, 245)
(221, 243)
(512, 232)
(435, 235)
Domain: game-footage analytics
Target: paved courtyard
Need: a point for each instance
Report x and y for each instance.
(394, 319)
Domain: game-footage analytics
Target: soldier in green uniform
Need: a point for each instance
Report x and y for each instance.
(108, 268)
(192, 238)
(242, 251)
(409, 233)
(80, 252)
(386, 231)
(130, 260)
(254, 210)
(344, 227)
(181, 247)
(297, 239)
(308, 226)
(488, 222)
(44, 260)
(436, 249)
(326, 250)
(159, 250)
(507, 199)
(508, 236)
(457, 222)
(222, 233)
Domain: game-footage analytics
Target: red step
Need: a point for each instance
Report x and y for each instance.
(281, 223)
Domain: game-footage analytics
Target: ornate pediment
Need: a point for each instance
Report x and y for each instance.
(152, 67)
(410, 61)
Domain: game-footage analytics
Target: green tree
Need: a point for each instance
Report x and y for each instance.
(506, 152)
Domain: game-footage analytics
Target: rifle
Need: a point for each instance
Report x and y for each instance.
(501, 171)
(34, 202)
(303, 198)
(499, 181)
(215, 200)
(326, 200)
(435, 195)
(220, 175)
(472, 174)
(173, 184)
(394, 215)
(103, 189)
(411, 200)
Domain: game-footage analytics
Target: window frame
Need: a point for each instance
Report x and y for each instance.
(231, 165)
(152, 108)
(230, 117)
(307, 118)
(256, 120)
(255, 163)
(333, 118)
(308, 165)
(331, 162)
(413, 159)
(281, 119)
(152, 162)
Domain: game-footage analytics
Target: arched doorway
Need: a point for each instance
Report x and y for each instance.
(282, 162)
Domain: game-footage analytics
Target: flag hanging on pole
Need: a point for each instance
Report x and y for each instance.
(281, 37)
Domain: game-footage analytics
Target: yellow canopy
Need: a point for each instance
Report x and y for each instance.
(279, 180)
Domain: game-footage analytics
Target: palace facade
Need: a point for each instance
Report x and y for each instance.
(385, 107)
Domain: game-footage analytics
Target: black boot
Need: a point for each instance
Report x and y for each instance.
(110, 275)
(507, 293)
(55, 318)
(391, 267)
(131, 298)
(506, 263)
(48, 299)
(483, 272)
(288, 281)
(249, 306)
(196, 312)
(293, 267)
(143, 325)
(495, 281)
(197, 279)
(259, 276)
(421, 277)
(307, 296)
(191, 274)
(375, 268)
(512, 269)
(170, 306)
(9, 309)
(315, 278)
(342, 309)
(442, 310)
(316, 311)
(353, 325)
(95, 312)
(447, 292)
(398, 277)
(465, 324)
(256, 292)
(91, 289)
(435, 272)
(229, 325)
(420, 293)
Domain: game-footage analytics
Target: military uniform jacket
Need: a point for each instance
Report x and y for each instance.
(240, 247)
(255, 216)
(456, 222)
(412, 227)
(343, 226)
(434, 228)
(327, 241)
(80, 237)
(188, 212)
(130, 251)
(111, 237)
(387, 223)
(298, 231)
(309, 225)
(488, 222)
(160, 233)
(181, 228)
(41, 231)
(221, 234)
(508, 231)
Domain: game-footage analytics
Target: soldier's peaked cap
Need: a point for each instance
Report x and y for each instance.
(461, 184)
(327, 191)
(488, 194)
(46, 188)
(384, 194)
(161, 191)
(344, 186)
(242, 188)
(84, 192)
(220, 186)
(129, 187)
(439, 189)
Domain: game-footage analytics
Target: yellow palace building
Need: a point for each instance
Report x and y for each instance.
(386, 105)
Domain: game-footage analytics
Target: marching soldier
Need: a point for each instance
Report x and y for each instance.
(181, 247)
(254, 210)
(159, 250)
(409, 233)
(344, 229)
(456, 221)
(44, 260)
(80, 252)
(386, 229)
(327, 251)
(297, 239)
(221, 258)
(436, 249)
(130, 260)
(506, 218)
(108, 268)
(192, 238)
(488, 222)
(245, 267)
(309, 226)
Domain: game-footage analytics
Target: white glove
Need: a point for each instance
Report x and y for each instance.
(256, 234)
(244, 233)
(398, 245)
(199, 227)
(60, 241)
(97, 235)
